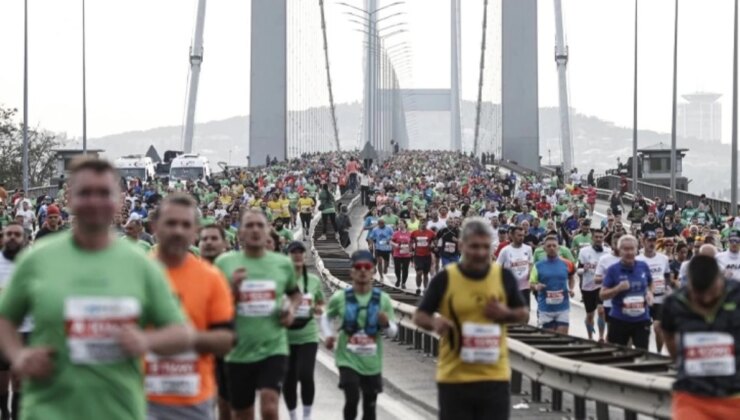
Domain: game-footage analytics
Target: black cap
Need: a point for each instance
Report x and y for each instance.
(296, 246)
(733, 235)
(362, 255)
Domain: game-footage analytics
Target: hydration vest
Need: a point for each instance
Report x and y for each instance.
(352, 309)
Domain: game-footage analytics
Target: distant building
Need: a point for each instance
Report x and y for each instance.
(700, 118)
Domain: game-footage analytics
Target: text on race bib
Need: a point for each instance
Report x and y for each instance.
(633, 305)
(304, 310)
(362, 344)
(173, 375)
(450, 247)
(422, 241)
(659, 285)
(554, 297)
(257, 298)
(92, 325)
(709, 354)
(404, 249)
(481, 343)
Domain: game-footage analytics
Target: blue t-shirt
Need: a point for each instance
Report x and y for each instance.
(553, 274)
(381, 237)
(370, 221)
(629, 306)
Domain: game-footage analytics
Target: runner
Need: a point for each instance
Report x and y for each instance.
(183, 386)
(364, 312)
(517, 257)
(448, 242)
(212, 244)
(306, 205)
(379, 242)
(588, 260)
(628, 284)
(401, 243)
(88, 282)
(475, 300)
(729, 261)
(660, 273)
(422, 241)
(303, 336)
(261, 280)
(52, 222)
(695, 327)
(552, 279)
(13, 240)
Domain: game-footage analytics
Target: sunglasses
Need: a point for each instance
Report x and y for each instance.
(367, 266)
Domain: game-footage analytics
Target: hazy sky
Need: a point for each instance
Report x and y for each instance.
(137, 58)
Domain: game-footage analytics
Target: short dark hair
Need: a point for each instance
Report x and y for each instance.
(220, 230)
(87, 163)
(177, 199)
(680, 246)
(514, 229)
(702, 272)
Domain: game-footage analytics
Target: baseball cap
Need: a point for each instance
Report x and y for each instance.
(650, 235)
(362, 255)
(52, 209)
(296, 246)
(733, 235)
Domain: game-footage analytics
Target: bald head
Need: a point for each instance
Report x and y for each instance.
(708, 250)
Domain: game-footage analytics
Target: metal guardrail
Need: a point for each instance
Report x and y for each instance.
(36, 192)
(627, 387)
(649, 190)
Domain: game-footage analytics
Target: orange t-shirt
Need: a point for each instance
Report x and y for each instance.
(188, 379)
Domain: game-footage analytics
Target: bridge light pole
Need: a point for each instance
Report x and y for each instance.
(25, 97)
(675, 105)
(733, 182)
(634, 115)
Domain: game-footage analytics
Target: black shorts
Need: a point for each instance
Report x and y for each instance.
(246, 378)
(423, 263)
(368, 384)
(525, 297)
(656, 312)
(222, 381)
(473, 400)
(386, 255)
(591, 299)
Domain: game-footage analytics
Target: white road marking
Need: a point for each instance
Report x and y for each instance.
(398, 408)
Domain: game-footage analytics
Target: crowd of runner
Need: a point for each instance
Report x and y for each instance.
(81, 309)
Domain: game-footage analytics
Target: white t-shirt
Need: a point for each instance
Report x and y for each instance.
(438, 225)
(589, 258)
(729, 261)
(28, 217)
(659, 267)
(605, 262)
(491, 214)
(6, 268)
(518, 260)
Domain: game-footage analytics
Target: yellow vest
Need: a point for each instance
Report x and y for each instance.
(463, 304)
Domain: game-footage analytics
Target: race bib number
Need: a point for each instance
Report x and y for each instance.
(450, 247)
(659, 286)
(554, 297)
(709, 354)
(304, 310)
(257, 298)
(306, 209)
(404, 249)
(480, 343)
(382, 242)
(633, 305)
(174, 375)
(91, 326)
(669, 207)
(422, 242)
(362, 344)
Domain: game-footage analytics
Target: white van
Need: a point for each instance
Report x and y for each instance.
(135, 166)
(190, 167)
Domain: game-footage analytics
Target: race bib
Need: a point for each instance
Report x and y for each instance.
(480, 343)
(659, 286)
(669, 207)
(633, 305)
(450, 247)
(554, 297)
(91, 326)
(422, 241)
(709, 354)
(304, 310)
(404, 249)
(382, 242)
(173, 375)
(306, 209)
(257, 298)
(362, 344)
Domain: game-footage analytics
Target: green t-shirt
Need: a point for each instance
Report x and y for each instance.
(310, 332)
(390, 219)
(286, 234)
(364, 365)
(269, 278)
(580, 241)
(561, 208)
(4, 220)
(70, 293)
(563, 251)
